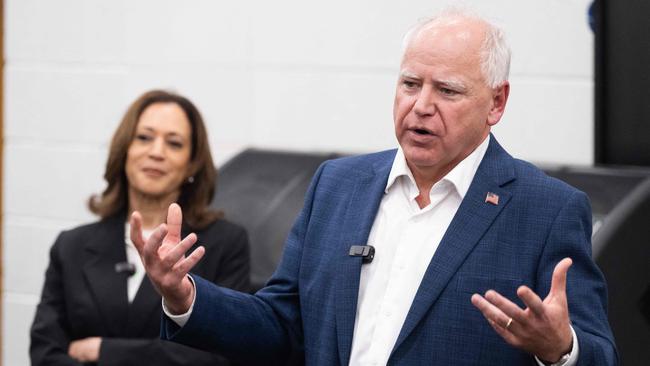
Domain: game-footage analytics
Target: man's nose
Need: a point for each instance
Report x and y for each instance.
(425, 105)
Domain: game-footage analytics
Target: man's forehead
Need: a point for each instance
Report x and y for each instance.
(449, 32)
(460, 46)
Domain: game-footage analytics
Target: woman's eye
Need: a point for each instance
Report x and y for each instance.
(143, 137)
(175, 144)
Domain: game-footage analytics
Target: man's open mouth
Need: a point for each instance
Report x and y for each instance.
(421, 131)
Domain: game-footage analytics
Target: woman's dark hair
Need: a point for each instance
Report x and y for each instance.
(195, 194)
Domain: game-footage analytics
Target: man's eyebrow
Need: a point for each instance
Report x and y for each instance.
(451, 83)
(408, 75)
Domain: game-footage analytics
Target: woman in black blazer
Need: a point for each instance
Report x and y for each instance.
(98, 306)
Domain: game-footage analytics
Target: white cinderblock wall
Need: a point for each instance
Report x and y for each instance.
(286, 74)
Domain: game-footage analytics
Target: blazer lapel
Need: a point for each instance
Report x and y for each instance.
(358, 220)
(472, 220)
(108, 287)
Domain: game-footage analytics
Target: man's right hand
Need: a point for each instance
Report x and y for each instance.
(163, 256)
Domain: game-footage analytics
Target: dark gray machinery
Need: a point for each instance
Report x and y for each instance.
(622, 137)
(264, 190)
(620, 200)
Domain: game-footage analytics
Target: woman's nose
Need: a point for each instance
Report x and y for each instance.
(157, 149)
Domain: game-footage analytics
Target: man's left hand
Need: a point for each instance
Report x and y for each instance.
(543, 328)
(86, 349)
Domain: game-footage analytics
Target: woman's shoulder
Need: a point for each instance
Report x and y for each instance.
(82, 234)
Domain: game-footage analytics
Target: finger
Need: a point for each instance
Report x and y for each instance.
(136, 231)
(154, 242)
(174, 222)
(177, 252)
(511, 309)
(532, 301)
(558, 283)
(72, 349)
(184, 266)
(504, 333)
(490, 312)
(75, 350)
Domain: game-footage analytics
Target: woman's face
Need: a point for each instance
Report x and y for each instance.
(158, 158)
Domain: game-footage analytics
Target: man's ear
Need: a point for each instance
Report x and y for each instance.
(499, 100)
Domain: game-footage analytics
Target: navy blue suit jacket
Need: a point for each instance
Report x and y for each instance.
(306, 312)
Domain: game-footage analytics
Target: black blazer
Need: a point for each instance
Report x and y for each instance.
(84, 296)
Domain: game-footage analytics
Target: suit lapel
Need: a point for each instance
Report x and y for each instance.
(472, 220)
(358, 220)
(105, 249)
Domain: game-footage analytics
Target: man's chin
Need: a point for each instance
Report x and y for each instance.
(422, 163)
(421, 157)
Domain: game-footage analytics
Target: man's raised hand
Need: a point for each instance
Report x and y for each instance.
(163, 256)
(543, 328)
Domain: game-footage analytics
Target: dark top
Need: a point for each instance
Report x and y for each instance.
(83, 296)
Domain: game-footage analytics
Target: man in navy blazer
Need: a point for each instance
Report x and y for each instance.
(473, 247)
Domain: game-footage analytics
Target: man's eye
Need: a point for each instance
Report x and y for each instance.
(447, 91)
(409, 84)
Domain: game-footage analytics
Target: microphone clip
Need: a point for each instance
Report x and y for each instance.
(126, 268)
(367, 252)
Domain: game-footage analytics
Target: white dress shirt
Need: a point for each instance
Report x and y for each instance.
(134, 281)
(405, 238)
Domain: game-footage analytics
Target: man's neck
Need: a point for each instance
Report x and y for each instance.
(426, 178)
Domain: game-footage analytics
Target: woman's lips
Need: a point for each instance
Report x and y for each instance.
(153, 172)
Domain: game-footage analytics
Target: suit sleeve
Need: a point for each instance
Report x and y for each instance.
(570, 236)
(49, 333)
(263, 329)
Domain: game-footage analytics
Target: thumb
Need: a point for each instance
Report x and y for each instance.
(174, 222)
(136, 231)
(558, 282)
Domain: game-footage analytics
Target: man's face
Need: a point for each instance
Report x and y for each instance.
(443, 107)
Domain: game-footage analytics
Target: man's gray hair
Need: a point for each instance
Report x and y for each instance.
(495, 52)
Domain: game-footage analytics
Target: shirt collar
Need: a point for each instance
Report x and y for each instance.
(460, 176)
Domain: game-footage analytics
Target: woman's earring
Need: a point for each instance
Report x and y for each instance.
(190, 179)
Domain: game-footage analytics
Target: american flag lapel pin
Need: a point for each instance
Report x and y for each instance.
(492, 198)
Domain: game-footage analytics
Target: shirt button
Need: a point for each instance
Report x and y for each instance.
(388, 314)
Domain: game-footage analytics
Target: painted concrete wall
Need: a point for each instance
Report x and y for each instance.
(288, 74)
